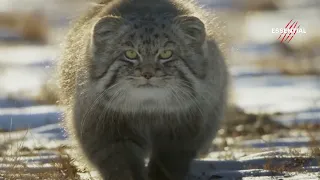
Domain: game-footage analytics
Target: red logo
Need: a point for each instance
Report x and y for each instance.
(289, 32)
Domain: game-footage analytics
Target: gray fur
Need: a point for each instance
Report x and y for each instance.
(116, 118)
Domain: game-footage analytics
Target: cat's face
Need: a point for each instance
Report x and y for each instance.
(151, 64)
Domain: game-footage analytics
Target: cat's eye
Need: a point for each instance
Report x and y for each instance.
(130, 54)
(166, 54)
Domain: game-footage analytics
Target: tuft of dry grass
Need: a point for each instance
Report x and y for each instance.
(299, 160)
(19, 162)
(32, 27)
(248, 124)
(295, 164)
(66, 166)
(59, 168)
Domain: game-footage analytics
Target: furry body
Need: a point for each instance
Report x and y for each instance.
(120, 110)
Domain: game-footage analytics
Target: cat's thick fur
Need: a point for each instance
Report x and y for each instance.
(121, 111)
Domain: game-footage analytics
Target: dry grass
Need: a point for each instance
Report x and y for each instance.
(261, 5)
(32, 27)
(14, 165)
(60, 168)
(295, 164)
(301, 60)
(251, 125)
(292, 65)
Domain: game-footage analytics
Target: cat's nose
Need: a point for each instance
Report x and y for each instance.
(148, 71)
(147, 75)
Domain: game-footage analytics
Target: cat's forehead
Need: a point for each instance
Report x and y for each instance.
(149, 35)
(157, 20)
(149, 31)
(155, 27)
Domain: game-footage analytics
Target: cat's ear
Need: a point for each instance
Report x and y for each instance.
(106, 28)
(193, 28)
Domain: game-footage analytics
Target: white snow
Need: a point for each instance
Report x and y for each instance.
(28, 117)
(269, 92)
(27, 55)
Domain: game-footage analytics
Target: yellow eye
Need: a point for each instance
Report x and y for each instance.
(130, 54)
(166, 54)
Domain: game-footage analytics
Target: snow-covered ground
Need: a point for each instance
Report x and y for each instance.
(24, 70)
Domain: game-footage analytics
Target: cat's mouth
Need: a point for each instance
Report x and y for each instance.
(147, 85)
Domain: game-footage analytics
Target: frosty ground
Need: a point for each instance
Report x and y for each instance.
(280, 142)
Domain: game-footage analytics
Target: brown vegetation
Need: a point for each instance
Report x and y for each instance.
(61, 167)
(32, 27)
(300, 60)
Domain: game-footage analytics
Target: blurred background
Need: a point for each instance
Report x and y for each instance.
(275, 85)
